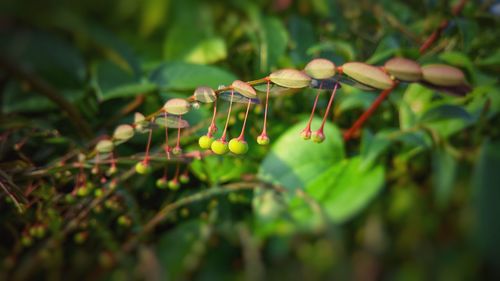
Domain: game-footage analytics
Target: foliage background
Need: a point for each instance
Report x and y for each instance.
(416, 197)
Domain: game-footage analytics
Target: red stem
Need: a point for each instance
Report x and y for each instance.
(146, 158)
(361, 120)
(308, 126)
(223, 137)
(177, 172)
(242, 134)
(178, 145)
(212, 124)
(167, 146)
(330, 102)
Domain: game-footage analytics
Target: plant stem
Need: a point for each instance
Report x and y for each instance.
(308, 126)
(242, 134)
(146, 158)
(330, 102)
(264, 129)
(223, 137)
(361, 120)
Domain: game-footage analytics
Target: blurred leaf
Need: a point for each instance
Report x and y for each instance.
(153, 15)
(293, 162)
(216, 170)
(274, 39)
(208, 51)
(460, 60)
(112, 81)
(445, 111)
(184, 76)
(301, 38)
(339, 47)
(485, 184)
(444, 168)
(345, 189)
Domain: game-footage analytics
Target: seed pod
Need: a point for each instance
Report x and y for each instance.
(404, 69)
(320, 69)
(290, 78)
(368, 75)
(443, 75)
(244, 88)
(123, 132)
(205, 94)
(176, 106)
(104, 146)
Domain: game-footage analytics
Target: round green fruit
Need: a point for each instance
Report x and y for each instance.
(173, 184)
(263, 140)
(205, 142)
(318, 137)
(219, 147)
(184, 178)
(161, 183)
(142, 168)
(237, 146)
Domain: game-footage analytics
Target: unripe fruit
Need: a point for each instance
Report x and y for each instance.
(124, 220)
(306, 134)
(244, 88)
(443, 75)
(161, 183)
(205, 142)
(184, 179)
(173, 184)
(320, 69)
(404, 69)
(123, 133)
(205, 94)
(318, 137)
(26, 240)
(219, 147)
(367, 74)
(82, 191)
(104, 146)
(142, 168)
(290, 78)
(98, 192)
(176, 150)
(237, 146)
(263, 140)
(176, 106)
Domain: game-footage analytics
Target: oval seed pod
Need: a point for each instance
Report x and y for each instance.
(244, 88)
(368, 75)
(443, 75)
(404, 69)
(123, 132)
(104, 146)
(176, 106)
(290, 78)
(320, 69)
(205, 94)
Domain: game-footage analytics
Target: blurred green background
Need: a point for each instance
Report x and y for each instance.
(415, 198)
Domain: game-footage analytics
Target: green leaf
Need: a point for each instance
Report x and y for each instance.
(345, 189)
(294, 162)
(111, 81)
(221, 169)
(445, 111)
(185, 76)
(444, 172)
(274, 39)
(485, 184)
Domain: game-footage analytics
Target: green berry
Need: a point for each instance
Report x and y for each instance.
(161, 183)
(184, 178)
(26, 240)
(237, 146)
(82, 191)
(205, 142)
(177, 150)
(306, 134)
(173, 184)
(142, 168)
(318, 137)
(124, 221)
(98, 193)
(263, 140)
(219, 147)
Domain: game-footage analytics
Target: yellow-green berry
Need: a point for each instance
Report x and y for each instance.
(205, 142)
(112, 170)
(184, 178)
(142, 168)
(173, 184)
(237, 146)
(161, 183)
(318, 137)
(219, 147)
(306, 134)
(263, 140)
(177, 150)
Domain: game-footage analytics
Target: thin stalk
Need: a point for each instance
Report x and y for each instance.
(330, 102)
(264, 129)
(223, 137)
(242, 134)
(308, 126)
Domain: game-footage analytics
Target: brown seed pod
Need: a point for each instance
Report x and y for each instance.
(123, 132)
(368, 75)
(443, 75)
(244, 89)
(104, 146)
(205, 94)
(320, 69)
(404, 69)
(176, 106)
(290, 78)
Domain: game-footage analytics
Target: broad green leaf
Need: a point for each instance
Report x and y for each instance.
(444, 173)
(220, 169)
(345, 189)
(485, 185)
(294, 162)
(301, 38)
(445, 111)
(274, 39)
(112, 81)
(185, 76)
